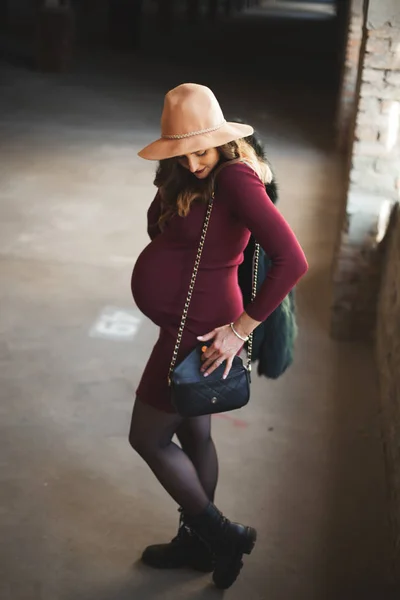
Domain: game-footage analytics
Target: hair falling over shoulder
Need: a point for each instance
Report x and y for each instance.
(179, 188)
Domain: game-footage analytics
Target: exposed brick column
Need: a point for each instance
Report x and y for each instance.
(388, 359)
(349, 85)
(374, 175)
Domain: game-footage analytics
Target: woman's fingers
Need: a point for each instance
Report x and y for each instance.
(210, 360)
(209, 352)
(215, 364)
(223, 349)
(228, 367)
(208, 336)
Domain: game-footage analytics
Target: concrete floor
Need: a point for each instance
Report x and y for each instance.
(303, 463)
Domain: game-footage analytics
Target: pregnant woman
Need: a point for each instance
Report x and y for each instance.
(194, 152)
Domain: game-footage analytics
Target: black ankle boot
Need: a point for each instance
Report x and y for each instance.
(185, 550)
(227, 540)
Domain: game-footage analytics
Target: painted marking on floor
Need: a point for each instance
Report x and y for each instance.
(233, 420)
(117, 324)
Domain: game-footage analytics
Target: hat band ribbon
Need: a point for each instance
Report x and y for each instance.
(192, 133)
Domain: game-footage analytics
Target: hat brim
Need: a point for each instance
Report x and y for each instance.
(165, 148)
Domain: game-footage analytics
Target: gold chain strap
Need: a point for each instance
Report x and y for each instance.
(256, 259)
(191, 287)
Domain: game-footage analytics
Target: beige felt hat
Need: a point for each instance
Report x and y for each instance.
(192, 120)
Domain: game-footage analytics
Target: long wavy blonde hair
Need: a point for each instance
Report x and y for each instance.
(179, 188)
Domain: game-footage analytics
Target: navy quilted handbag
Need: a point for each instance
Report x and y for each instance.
(194, 395)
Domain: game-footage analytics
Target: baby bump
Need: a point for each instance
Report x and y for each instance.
(161, 296)
(158, 282)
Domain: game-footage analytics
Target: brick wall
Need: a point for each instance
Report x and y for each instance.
(388, 358)
(374, 175)
(348, 93)
(366, 288)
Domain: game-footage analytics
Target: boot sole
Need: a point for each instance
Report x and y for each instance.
(162, 563)
(175, 566)
(229, 568)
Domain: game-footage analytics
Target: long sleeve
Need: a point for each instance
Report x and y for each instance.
(153, 214)
(249, 201)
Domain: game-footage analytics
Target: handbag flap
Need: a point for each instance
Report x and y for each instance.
(188, 371)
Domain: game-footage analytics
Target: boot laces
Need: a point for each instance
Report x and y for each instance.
(184, 530)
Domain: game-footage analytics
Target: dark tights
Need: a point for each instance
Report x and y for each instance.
(189, 474)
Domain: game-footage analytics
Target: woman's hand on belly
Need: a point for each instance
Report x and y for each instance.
(225, 346)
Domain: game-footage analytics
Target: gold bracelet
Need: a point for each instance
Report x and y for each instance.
(244, 339)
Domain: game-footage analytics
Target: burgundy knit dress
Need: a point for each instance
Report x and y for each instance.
(162, 273)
